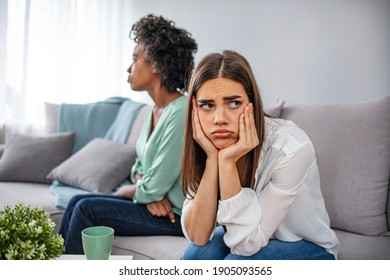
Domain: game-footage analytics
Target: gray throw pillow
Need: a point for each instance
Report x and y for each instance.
(98, 167)
(353, 155)
(29, 158)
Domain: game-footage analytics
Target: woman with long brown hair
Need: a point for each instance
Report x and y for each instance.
(251, 182)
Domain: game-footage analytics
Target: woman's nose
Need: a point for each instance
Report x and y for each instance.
(220, 116)
(129, 69)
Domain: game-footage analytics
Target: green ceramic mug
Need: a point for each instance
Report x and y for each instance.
(97, 242)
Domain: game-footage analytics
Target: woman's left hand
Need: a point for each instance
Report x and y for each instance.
(247, 137)
(162, 208)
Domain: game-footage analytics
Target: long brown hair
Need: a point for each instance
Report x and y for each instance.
(230, 65)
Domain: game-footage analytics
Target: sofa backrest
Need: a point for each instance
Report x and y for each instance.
(352, 143)
(52, 116)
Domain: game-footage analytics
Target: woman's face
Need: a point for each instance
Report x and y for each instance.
(141, 71)
(220, 103)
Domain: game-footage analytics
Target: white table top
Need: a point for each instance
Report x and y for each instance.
(82, 257)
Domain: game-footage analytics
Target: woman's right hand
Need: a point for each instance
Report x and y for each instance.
(199, 135)
(126, 191)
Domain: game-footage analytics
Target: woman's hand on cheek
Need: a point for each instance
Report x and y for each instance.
(247, 137)
(199, 135)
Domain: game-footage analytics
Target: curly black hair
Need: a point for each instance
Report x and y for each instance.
(171, 48)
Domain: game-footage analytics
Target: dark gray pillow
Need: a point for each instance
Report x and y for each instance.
(29, 158)
(98, 167)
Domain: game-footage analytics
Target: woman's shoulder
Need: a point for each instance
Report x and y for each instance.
(174, 113)
(178, 105)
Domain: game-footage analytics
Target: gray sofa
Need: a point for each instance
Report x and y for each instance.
(352, 143)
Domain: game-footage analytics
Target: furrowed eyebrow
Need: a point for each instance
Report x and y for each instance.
(226, 98)
(232, 97)
(205, 100)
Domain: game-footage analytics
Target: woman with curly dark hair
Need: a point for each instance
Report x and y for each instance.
(162, 62)
(165, 47)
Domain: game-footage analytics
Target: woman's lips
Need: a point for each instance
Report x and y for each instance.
(222, 133)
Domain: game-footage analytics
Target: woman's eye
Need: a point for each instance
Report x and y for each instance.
(207, 106)
(234, 104)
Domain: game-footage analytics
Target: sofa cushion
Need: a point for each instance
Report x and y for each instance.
(33, 194)
(161, 247)
(275, 110)
(353, 155)
(98, 167)
(30, 158)
(112, 119)
(362, 247)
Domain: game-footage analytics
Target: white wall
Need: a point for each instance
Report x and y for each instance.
(302, 51)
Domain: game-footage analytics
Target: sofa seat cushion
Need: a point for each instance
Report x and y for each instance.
(353, 155)
(150, 247)
(31, 194)
(362, 247)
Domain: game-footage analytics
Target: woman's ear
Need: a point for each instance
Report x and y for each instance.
(154, 68)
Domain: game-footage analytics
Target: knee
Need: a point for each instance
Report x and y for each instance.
(213, 250)
(73, 201)
(193, 252)
(82, 206)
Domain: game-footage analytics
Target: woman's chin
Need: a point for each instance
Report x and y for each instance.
(223, 144)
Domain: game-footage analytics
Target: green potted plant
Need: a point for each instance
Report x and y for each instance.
(28, 233)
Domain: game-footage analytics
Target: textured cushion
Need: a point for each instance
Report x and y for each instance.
(30, 158)
(98, 167)
(150, 247)
(33, 194)
(353, 155)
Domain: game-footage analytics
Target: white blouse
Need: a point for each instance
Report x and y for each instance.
(286, 202)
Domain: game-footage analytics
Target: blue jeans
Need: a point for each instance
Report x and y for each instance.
(123, 215)
(216, 249)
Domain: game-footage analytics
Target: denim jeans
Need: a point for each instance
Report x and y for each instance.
(123, 215)
(216, 249)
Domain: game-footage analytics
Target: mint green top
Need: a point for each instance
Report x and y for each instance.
(159, 157)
